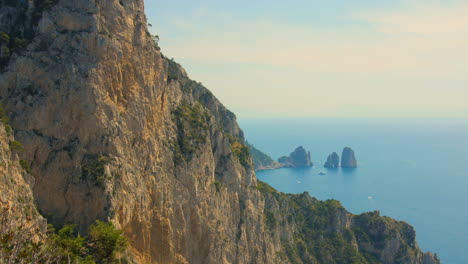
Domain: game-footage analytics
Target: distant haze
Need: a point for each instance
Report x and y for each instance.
(315, 58)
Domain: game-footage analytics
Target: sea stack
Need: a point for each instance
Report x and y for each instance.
(348, 159)
(333, 161)
(299, 158)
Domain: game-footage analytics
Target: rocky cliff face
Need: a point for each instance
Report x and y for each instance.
(21, 226)
(333, 161)
(348, 159)
(298, 158)
(114, 130)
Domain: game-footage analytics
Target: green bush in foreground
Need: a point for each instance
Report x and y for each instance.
(104, 244)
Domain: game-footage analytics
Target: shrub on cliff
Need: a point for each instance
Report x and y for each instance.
(192, 129)
(106, 242)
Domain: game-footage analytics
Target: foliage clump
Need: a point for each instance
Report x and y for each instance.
(192, 130)
(240, 151)
(5, 121)
(26, 166)
(15, 146)
(105, 244)
(218, 186)
(173, 71)
(93, 168)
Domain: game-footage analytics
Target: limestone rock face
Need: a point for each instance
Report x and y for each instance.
(115, 131)
(333, 161)
(20, 223)
(348, 159)
(299, 158)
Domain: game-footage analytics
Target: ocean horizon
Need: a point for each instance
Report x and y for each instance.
(411, 170)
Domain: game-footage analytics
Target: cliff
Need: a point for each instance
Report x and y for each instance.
(115, 131)
(348, 158)
(298, 158)
(261, 160)
(21, 226)
(333, 161)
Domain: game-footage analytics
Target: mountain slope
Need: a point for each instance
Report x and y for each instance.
(114, 130)
(261, 160)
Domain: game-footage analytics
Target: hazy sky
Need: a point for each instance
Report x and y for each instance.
(316, 58)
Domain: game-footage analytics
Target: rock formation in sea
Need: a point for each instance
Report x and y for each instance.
(298, 158)
(113, 130)
(348, 159)
(333, 161)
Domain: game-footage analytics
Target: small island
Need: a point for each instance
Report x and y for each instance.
(298, 158)
(348, 159)
(333, 161)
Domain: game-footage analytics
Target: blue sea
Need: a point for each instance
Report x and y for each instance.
(412, 170)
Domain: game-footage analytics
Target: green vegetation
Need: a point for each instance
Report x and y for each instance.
(6, 46)
(15, 146)
(192, 130)
(265, 188)
(218, 186)
(4, 38)
(319, 240)
(93, 168)
(322, 235)
(104, 244)
(259, 158)
(240, 151)
(5, 121)
(19, 43)
(173, 71)
(25, 165)
(23, 32)
(68, 246)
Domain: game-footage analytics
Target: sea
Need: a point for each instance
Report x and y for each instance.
(411, 170)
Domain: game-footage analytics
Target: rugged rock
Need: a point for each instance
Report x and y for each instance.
(116, 131)
(21, 226)
(324, 232)
(333, 161)
(348, 159)
(299, 158)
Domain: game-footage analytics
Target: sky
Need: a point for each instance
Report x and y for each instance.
(316, 58)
